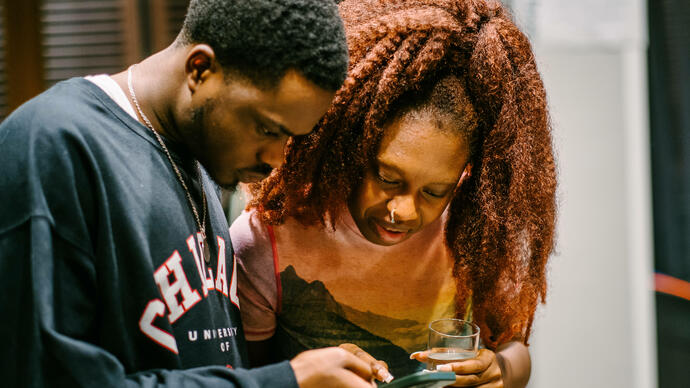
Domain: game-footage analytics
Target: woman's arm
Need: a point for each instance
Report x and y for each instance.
(516, 365)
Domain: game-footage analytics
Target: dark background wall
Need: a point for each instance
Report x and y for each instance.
(669, 86)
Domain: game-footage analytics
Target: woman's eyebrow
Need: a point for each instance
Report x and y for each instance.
(387, 166)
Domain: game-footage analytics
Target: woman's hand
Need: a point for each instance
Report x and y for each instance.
(482, 371)
(379, 367)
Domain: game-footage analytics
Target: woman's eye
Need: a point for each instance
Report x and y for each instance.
(387, 181)
(433, 194)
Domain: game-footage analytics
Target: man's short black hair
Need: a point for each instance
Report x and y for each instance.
(262, 39)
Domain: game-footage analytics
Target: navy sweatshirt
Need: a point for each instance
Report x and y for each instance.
(102, 276)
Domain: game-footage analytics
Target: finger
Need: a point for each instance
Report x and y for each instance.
(422, 356)
(381, 372)
(466, 381)
(380, 368)
(346, 378)
(490, 378)
(359, 352)
(356, 365)
(463, 367)
(475, 365)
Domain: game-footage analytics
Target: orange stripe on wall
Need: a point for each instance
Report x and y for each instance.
(672, 286)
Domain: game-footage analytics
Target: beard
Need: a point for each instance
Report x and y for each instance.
(197, 139)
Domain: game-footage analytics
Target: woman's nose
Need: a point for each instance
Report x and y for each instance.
(404, 206)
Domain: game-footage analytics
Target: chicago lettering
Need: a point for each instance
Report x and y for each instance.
(177, 293)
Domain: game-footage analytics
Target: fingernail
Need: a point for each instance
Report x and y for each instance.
(443, 368)
(383, 374)
(413, 354)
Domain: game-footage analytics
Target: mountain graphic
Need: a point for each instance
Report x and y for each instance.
(407, 334)
(312, 318)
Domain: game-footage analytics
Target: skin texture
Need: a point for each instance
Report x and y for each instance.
(483, 371)
(331, 367)
(235, 129)
(401, 179)
(509, 367)
(379, 367)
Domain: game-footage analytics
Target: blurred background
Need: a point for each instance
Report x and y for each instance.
(617, 74)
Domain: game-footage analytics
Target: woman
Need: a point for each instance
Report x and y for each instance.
(427, 191)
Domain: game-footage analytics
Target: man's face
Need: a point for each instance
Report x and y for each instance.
(239, 131)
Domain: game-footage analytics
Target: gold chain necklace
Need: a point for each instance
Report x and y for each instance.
(200, 223)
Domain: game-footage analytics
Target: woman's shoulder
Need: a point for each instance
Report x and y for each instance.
(248, 234)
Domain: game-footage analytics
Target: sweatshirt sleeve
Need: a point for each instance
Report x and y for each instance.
(258, 278)
(48, 304)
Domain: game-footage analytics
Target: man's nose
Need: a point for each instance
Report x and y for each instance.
(273, 153)
(405, 207)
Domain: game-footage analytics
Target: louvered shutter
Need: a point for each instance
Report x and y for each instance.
(84, 37)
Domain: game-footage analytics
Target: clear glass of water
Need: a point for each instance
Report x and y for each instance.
(451, 340)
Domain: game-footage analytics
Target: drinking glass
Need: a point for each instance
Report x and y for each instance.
(451, 340)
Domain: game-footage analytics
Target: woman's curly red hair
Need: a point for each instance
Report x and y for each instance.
(501, 221)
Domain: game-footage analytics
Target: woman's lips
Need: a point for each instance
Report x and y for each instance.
(389, 235)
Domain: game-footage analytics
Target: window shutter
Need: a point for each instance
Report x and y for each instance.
(84, 37)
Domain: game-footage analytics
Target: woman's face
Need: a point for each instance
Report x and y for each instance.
(419, 164)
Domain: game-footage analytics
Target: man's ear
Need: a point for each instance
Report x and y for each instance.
(200, 64)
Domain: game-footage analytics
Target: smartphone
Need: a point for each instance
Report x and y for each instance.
(423, 379)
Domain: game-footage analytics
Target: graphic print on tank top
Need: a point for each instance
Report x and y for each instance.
(311, 317)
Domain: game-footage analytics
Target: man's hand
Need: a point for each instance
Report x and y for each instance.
(379, 367)
(482, 371)
(331, 367)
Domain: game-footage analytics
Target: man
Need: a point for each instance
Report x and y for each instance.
(116, 267)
